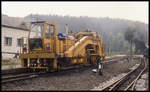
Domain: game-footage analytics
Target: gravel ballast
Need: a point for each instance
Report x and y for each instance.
(76, 80)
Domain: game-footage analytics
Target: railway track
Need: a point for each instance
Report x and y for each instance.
(28, 75)
(115, 59)
(127, 82)
(10, 77)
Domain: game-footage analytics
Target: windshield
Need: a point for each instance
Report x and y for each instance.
(36, 30)
(49, 31)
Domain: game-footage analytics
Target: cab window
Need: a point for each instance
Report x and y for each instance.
(52, 29)
(47, 34)
(36, 30)
(49, 31)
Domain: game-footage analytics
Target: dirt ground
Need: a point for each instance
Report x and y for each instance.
(76, 80)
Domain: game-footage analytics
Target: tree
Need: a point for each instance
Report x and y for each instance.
(129, 36)
(139, 40)
(139, 46)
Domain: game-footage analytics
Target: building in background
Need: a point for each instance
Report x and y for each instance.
(11, 40)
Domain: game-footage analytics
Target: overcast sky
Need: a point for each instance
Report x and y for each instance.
(137, 11)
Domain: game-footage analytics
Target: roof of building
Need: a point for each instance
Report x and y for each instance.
(14, 27)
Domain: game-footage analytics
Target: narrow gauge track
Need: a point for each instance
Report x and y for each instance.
(115, 59)
(15, 71)
(128, 81)
(28, 75)
(132, 85)
(17, 77)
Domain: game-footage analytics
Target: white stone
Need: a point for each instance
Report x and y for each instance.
(94, 70)
(139, 86)
(144, 76)
(140, 81)
(141, 89)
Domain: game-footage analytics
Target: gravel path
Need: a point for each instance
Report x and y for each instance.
(76, 80)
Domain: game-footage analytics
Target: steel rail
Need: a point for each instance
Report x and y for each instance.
(18, 77)
(28, 75)
(23, 76)
(132, 85)
(114, 84)
(115, 59)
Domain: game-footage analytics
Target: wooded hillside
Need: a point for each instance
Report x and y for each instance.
(112, 30)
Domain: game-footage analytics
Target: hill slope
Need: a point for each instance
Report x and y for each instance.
(112, 30)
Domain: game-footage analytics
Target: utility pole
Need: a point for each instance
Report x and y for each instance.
(66, 35)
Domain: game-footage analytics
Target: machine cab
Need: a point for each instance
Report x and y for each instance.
(41, 37)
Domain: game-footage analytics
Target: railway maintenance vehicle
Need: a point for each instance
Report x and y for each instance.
(44, 48)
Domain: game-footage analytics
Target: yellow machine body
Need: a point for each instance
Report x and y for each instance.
(50, 51)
